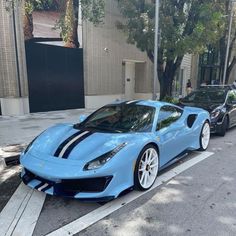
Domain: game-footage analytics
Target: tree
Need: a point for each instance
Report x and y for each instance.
(222, 43)
(28, 26)
(186, 26)
(92, 11)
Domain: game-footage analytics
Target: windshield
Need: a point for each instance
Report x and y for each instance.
(206, 97)
(121, 118)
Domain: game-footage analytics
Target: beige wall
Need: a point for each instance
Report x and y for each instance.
(8, 69)
(194, 71)
(103, 68)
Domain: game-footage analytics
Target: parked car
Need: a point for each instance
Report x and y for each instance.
(219, 101)
(119, 146)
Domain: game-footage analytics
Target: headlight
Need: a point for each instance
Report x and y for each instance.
(215, 114)
(103, 159)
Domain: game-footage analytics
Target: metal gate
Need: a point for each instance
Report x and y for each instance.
(55, 76)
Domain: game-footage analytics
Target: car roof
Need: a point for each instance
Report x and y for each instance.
(152, 103)
(215, 88)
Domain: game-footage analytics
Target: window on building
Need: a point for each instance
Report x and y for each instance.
(209, 68)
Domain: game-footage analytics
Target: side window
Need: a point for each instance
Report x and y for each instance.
(168, 115)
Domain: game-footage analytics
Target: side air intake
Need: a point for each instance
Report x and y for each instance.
(191, 119)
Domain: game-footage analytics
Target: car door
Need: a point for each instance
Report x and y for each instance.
(170, 133)
(231, 106)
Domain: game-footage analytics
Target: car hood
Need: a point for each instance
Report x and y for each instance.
(90, 147)
(206, 106)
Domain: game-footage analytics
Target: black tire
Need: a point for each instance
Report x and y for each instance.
(203, 147)
(224, 126)
(137, 184)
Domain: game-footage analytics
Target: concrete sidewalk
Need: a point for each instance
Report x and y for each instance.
(22, 129)
(17, 131)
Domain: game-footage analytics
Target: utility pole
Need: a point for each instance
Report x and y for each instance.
(16, 47)
(228, 42)
(155, 79)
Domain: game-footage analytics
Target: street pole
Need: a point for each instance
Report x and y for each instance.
(155, 79)
(228, 43)
(16, 47)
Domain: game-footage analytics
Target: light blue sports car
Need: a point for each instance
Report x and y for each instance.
(119, 146)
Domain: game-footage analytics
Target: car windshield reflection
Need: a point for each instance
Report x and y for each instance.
(206, 97)
(121, 119)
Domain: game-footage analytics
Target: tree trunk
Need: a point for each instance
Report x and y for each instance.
(71, 22)
(165, 86)
(166, 76)
(28, 26)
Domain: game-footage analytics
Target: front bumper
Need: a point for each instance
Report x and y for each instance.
(62, 177)
(66, 187)
(216, 127)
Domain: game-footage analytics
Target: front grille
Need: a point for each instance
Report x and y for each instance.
(28, 176)
(69, 187)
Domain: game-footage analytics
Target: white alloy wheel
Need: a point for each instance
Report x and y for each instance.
(147, 168)
(205, 136)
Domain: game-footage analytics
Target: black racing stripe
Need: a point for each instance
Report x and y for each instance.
(39, 185)
(66, 141)
(74, 144)
(46, 188)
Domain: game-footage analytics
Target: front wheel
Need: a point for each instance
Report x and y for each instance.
(204, 136)
(146, 168)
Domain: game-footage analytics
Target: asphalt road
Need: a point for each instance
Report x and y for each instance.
(198, 201)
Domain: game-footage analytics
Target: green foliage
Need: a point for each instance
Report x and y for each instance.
(93, 10)
(45, 4)
(29, 7)
(170, 100)
(60, 24)
(186, 26)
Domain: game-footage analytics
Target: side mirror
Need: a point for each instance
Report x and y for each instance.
(82, 118)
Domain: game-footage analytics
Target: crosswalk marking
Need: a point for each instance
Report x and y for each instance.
(20, 215)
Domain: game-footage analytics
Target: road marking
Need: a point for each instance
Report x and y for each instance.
(20, 215)
(85, 221)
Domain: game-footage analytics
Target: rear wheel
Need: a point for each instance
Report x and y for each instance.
(224, 126)
(146, 168)
(204, 136)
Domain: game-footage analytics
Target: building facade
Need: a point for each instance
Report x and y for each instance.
(13, 76)
(113, 69)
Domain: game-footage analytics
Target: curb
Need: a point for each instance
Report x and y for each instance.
(9, 155)
(2, 164)
(9, 161)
